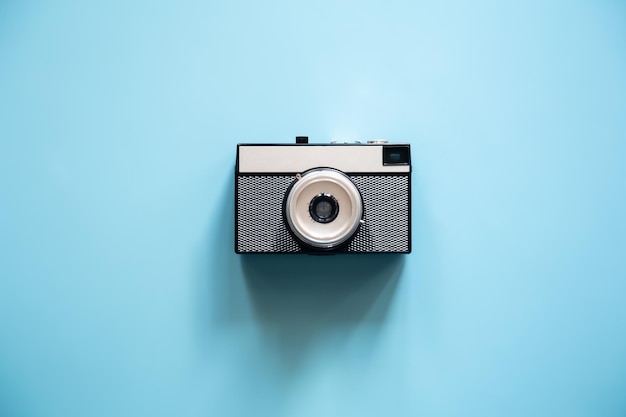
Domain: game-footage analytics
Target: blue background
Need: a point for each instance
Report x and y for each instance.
(120, 294)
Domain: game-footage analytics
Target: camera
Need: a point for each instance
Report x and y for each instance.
(323, 198)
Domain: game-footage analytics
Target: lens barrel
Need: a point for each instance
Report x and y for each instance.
(323, 208)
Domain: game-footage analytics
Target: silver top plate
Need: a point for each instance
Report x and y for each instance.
(299, 158)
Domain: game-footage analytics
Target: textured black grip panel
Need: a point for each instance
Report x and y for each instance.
(260, 227)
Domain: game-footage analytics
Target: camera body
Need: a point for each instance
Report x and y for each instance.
(323, 198)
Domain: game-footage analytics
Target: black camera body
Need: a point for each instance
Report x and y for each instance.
(323, 198)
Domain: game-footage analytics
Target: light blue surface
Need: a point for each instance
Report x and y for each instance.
(120, 294)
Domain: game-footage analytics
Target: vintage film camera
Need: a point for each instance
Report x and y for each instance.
(323, 198)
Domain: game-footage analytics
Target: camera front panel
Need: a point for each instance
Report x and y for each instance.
(296, 198)
(260, 226)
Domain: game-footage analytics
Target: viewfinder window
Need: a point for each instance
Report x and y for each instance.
(396, 155)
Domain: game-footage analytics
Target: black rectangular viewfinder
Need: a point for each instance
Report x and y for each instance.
(396, 155)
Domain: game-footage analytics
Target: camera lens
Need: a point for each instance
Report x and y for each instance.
(324, 208)
(311, 208)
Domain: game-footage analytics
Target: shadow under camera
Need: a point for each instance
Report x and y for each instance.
(307, 289)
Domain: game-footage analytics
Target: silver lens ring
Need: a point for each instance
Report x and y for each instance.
(323, 234)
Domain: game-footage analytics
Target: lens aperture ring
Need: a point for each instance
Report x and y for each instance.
(324, 208)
